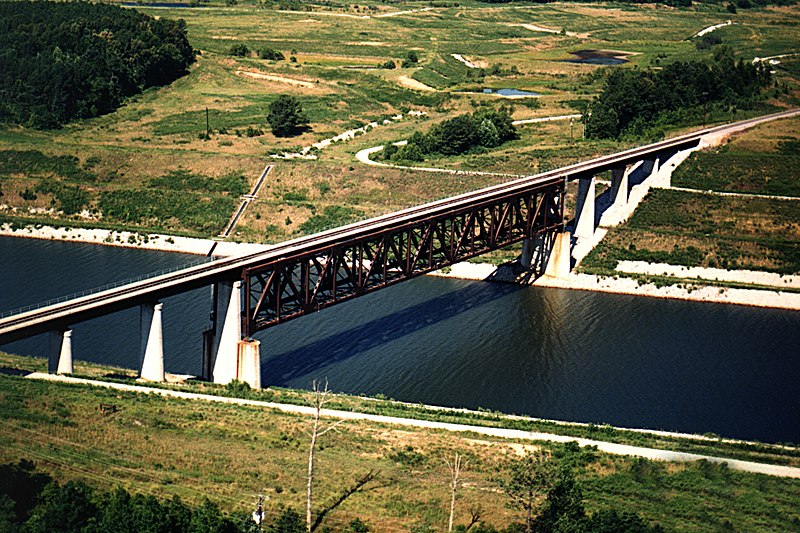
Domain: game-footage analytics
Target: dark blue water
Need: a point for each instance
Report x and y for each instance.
(597, 57)
(571, 355)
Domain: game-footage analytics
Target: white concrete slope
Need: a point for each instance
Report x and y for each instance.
(608, 447)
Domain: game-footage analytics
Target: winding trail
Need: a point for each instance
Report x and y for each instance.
(608, 447)
(364, 156)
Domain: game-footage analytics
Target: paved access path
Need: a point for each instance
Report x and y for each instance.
(608, 447)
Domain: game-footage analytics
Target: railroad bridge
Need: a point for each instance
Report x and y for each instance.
(256, 291)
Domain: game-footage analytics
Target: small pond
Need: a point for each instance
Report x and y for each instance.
(156, 4)
(598, 57)
(508, 93)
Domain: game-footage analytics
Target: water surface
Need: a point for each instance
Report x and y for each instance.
(570, 355)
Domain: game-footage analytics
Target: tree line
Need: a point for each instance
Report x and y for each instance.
(634, 101)
(61, 61)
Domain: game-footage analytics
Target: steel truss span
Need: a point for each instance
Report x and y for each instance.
(292, 286)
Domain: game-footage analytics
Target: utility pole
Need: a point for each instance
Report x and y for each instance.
(586, 120)
(571, 124)
(258, 514)
(208, 131)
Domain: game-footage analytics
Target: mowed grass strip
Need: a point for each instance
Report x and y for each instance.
(696, 229)
(744, 172)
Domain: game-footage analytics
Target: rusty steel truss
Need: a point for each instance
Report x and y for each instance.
(296, 285)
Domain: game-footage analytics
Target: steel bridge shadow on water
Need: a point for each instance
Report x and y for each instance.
(281, 369)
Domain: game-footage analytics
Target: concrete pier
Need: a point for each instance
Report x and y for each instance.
(228, 332)
(584, 209)
(619, 186)
(60, 360)
(560, 260)
(151, 352)
(527, 253)
(249, 368)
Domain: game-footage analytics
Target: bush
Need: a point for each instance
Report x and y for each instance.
(707, 41)
(239, 50)
(269, 53)
(486, 128)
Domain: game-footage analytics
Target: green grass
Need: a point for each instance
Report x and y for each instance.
(741, 171)
(35, 163)
(168, 447)
(167, 209)
(695, 229)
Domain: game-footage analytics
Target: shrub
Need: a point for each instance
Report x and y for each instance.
(269, 53)
(239, 50)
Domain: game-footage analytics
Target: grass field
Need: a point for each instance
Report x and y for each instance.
(118, 156)
(60, 428)
(703, 229)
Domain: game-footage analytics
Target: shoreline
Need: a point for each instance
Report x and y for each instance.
(697, 292)
(756, 297)
(132, 239)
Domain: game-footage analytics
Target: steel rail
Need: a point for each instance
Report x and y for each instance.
(157, 287)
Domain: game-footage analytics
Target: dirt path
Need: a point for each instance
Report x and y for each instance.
(411, 83)
(279, 79)
(616, 449)
(534, 27)
(712, 28)
(467, 62)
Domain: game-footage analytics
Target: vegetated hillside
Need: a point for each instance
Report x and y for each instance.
(62, 61)
(634, 102)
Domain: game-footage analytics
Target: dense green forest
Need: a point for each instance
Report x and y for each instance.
(635, 101)
(65, 60)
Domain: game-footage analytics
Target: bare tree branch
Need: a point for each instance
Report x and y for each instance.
(455, 470)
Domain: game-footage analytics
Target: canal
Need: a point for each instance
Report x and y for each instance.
(569, 355)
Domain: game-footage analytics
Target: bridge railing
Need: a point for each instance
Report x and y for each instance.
(95, 290)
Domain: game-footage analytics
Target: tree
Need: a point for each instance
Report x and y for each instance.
(320, 398)
(63, 508)
(527, 479)
(208, 519)
(269, 53)
(563, 509)
(455, 470)
(286, 116)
